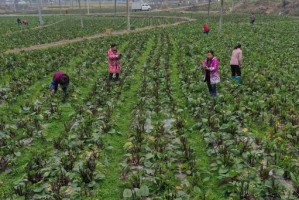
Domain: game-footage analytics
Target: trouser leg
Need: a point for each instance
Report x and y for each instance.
(238, 72)
(110, 76)
(233, 72)
(209, 85)
(64, 89)
(213, 90)
(54, 86)
(117, 76)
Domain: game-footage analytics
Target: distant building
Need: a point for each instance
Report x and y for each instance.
(23, 2)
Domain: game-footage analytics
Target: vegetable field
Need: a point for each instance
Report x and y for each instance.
(67, 27)
(156, 133)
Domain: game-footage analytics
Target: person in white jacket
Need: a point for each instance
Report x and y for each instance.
(236, 63)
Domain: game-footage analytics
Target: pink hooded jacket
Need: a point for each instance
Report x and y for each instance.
(236, 58)
(113, 62)
(57, 76)
(214, 70)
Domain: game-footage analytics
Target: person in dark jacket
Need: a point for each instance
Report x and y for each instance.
(62, 79)
(19, 21)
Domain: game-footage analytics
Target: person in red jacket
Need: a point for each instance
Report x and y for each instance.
(62, 79)
(206, 29)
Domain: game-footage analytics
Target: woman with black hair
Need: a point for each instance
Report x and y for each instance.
(211, 72)
(113, 61)
(236, 63)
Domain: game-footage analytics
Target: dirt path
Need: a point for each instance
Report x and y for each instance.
(100, 35)
(38, 27)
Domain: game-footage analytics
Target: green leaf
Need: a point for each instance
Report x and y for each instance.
(110, 148)
(38, 190)
(127, 193)
(137, 192)
(268, 184)
(100, 176)
(279, 172)
(91, 184)
(128, 145)
(147, 163)
(181, 194)
(197, 190)
(206, 179)
(144, 191)
(223, 171)
(204, 120)
(18, 154)
(149, 156)
(46, 174)
(289, 136)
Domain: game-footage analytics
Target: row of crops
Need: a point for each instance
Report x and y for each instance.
(251, 132)
(9, 24)
(156, 133)
(67, 27)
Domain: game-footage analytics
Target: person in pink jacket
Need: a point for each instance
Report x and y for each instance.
(211, 72)
(236, 63)
(62, 79)
(113, 61)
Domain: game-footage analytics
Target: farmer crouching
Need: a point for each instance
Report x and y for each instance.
(62, 79)
(19, 21)
(206, 29)
(25, 22)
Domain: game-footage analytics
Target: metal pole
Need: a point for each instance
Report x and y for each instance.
(82, 25)
(128, 15)
(221, 17)
(114, 7)
(14, 6)
(88, 7)
(41, 22)
(60, 6)
(209, 6)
